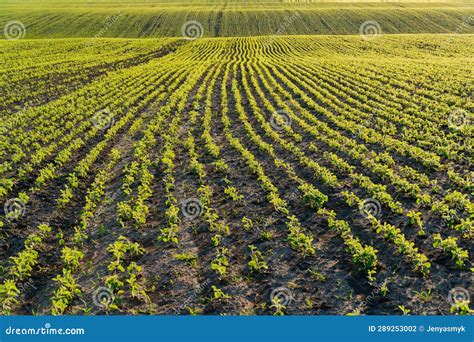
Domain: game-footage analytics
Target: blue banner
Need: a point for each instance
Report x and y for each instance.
(249, 328)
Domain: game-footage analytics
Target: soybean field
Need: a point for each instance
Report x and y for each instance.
(233, 163)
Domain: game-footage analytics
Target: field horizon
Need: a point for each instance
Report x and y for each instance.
(137, 20)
